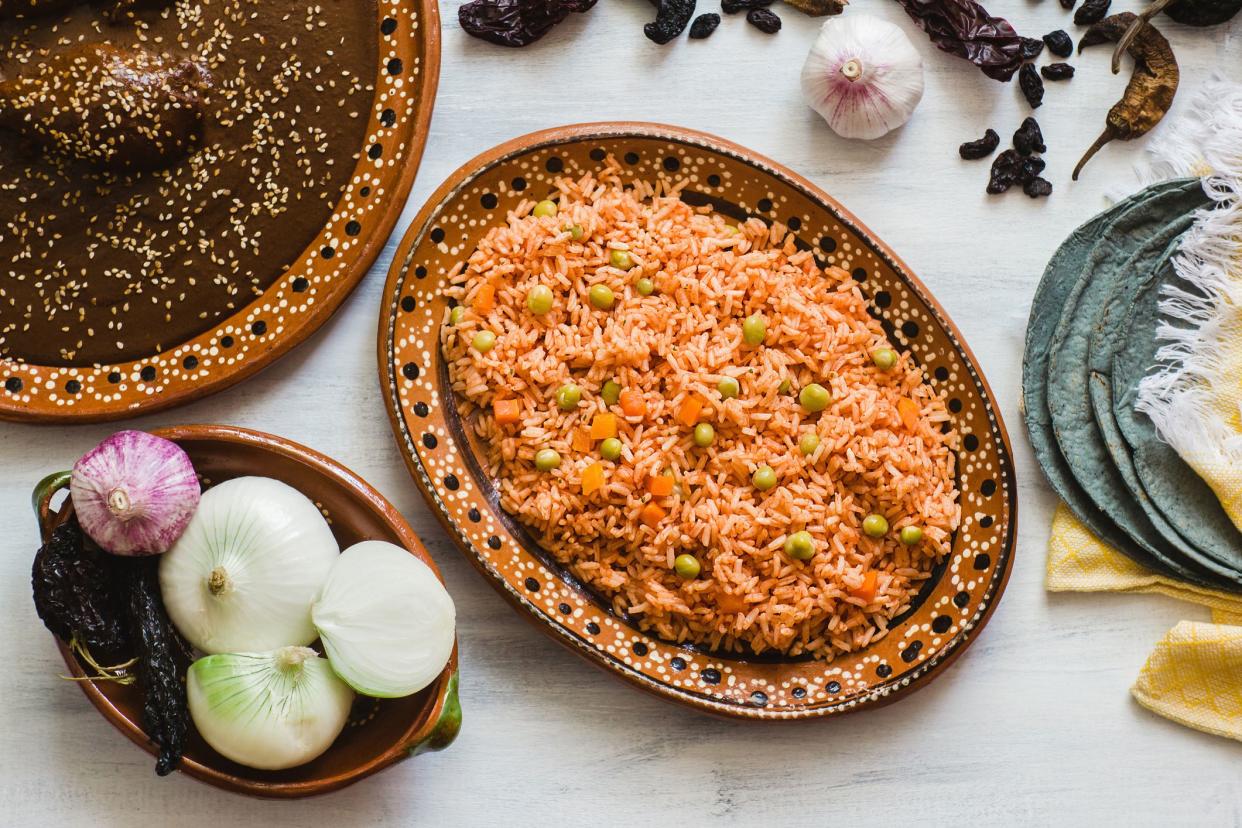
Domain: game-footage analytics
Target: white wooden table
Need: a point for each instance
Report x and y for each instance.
(1032, 725)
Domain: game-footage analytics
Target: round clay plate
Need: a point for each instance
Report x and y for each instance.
(952, 606)
(299, 300)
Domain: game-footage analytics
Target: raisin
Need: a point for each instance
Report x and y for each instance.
(1037, 187)
(1030, 168)
(1029, 138)
(1006, 171)
(985, 146)
(1092, 11)
(735, 6)
(1032, 86)
(704, 25)
(764, 20)
(1057, 71)
(672, 17)
(1031, 48)
(1060, 43)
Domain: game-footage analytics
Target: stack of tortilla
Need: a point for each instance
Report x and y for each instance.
(1091, 338)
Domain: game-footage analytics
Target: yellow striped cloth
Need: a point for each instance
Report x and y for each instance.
(1194, 676)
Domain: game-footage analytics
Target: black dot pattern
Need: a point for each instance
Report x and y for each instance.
(474, 515)
(451, 482)
(677, 663)
(190, 362)
(982, 561)
(410, 371)
(493, 542)
(710, 676)
(429, 440)
(147, 373)
(532, 585)
(13, 384)
(408, 304)
(884, 671)
(911, 652)
(941, 624)
(640, 649)
(592, 628)
(73, 387)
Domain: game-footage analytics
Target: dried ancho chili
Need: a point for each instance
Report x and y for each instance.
(964, 28)
(1029, 138)
(672, 17)
(1060, 43)
(764, 20)
(516, 22)
(1057, 71)
(76, 596)
(1031, 47)
(982, 148)
(1148, 95)
(704, 25)
(162, 662)
(818, 8)
(1032, 85)
(1189, 12)
(1092, 11)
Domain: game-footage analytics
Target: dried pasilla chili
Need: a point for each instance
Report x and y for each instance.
(162, 661)
(76, 596)
(1092, 11)
(704, 25)
(964, 28)
(982, 148)
(672, 17)
(1057, 71)
(1190, 12)
(1029, 138)
(765, 20)
(1032, 86)
(516, 22)
(1060, 43)
(1148, 95)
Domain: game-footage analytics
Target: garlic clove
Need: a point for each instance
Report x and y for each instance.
(863, 76)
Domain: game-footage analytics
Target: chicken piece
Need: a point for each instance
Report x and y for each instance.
(120, 110)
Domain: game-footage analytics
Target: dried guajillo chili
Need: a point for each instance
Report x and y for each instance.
(964, 28)
(1189, 12)
(162, 661)
(1148, 95)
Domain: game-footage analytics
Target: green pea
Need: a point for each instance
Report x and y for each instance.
(620, 259)
(808, 442)
(484, 341)
(455, 314)
(601, 296)
(728, 388)
(568, 396)
(884, 358)
(800, 545)
(764, 478)
(539, 300)
(754, 329)
(644, 286)
(814, 397)
(547, 460)
(576, 232)
(784, 387)
(610, 449)
(687, 566)
(910, 535)
(704, 435)
(611, 392)
(875, 526)
(545, 208)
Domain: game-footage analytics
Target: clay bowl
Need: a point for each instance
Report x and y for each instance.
(306, 294)
(381, 732)
(442, 454)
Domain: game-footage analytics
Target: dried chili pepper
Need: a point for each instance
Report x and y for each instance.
(162, 662)
(964, 28)
(765, 20)
(1060, 43)
(735, 6)
(1068, 4)
(1148, 95)
(703, 26)
(1031, 47)
(1057, 71)
(1029, 138)
(1032, 86)
(516, 22)
(1006, 171)
(982, 148)
(672, 18)
(818, 8)
(1092, 11)
(1189, 12)
(76, 595)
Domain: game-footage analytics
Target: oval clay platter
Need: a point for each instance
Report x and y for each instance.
(950, 609)
(301, 298)
(380, 732)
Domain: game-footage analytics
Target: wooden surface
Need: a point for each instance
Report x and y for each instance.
(1033, 725)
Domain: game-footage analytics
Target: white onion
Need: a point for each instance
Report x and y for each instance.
(268, 710)
(245, 572)
(386, 622)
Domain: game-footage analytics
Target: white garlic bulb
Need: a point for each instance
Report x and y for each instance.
(863, 75)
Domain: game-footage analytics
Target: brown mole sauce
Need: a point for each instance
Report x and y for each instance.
(97, 267)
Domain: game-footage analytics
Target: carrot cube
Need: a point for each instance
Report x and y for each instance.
(632, 403)
(689, 410)
(866, 590)
(660, 485)
(581, 441)
(651, 515)
(909, 413)
(604, 426)
(592, 478)
(507, 411)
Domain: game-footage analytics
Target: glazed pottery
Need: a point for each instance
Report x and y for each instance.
(306, 294)
(380, 732)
